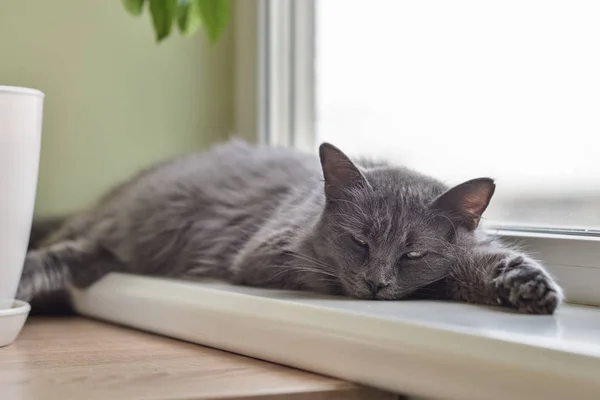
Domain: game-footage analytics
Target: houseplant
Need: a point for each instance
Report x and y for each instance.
(188, 15)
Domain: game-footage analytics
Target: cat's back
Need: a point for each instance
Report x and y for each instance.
(237, 166)
(233, 174)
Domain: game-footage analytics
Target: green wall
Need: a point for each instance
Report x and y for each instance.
(115, 100)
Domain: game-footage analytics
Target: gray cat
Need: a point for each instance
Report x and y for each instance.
(278, 218)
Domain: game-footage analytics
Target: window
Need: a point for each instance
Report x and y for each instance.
(464, 88)
(456, 89)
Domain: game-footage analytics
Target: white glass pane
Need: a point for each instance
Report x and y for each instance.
(462, 89)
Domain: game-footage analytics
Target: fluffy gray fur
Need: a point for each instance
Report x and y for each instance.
(281, 219)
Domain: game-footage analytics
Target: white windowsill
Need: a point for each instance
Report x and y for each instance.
(431, 349)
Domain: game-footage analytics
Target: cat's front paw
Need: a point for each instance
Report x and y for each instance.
(520, 282)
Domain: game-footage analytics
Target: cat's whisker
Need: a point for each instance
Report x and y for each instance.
(288, 271)
(299, 268)
(313, 260)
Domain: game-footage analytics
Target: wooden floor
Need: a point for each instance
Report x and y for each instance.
(76, 358)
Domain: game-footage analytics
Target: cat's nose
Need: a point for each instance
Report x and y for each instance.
(375, 285)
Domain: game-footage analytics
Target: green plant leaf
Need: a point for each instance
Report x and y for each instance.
(188, 17)
(163, 12)
(134, 7)
(214, 15)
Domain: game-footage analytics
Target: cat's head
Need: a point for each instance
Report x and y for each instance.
(390, 231)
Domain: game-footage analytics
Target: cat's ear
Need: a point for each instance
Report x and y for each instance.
(465, 203)
(339, 172)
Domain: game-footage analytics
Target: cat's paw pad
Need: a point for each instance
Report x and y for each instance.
(522, 283)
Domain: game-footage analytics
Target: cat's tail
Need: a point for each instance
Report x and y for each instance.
(35, 273)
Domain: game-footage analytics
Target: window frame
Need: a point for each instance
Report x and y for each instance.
(286, 73)
(284, 101)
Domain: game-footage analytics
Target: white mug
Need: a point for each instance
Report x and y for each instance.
(21, 112)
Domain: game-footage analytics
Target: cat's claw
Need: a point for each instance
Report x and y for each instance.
(520, 282)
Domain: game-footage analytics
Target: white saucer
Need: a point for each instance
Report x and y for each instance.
(12, 320)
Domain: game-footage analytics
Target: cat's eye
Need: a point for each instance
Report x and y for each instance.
(414, 255)
(360, 242)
